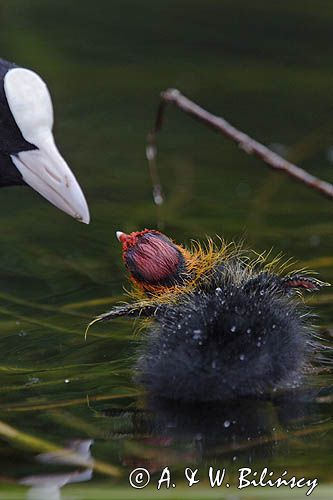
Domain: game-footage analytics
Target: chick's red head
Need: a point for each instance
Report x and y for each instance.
(153, 260)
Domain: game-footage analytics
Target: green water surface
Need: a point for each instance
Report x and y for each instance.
(268, 68)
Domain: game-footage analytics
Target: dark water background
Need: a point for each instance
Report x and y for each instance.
(268, 68)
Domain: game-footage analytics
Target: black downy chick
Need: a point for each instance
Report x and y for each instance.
(223, 325)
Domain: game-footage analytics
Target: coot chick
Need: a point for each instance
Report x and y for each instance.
(226, 323)
(28, 154)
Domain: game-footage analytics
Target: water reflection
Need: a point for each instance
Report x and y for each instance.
(48, 486)
(54, 271)
(237, 431)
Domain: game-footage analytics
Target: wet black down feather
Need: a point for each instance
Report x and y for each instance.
(237, 335)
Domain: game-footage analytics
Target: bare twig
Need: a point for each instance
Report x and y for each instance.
(245, 142)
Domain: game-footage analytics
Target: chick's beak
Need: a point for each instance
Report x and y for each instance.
(122, 237)
(46, 171)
